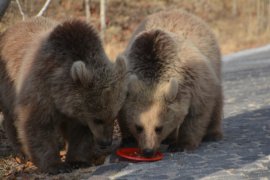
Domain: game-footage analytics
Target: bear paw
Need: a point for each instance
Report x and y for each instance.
(59, 168)
(78, 164)
(214, 136)
(174, 148)
(181, 147)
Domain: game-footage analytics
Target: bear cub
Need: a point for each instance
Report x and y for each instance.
(55, 77)
(175, 91)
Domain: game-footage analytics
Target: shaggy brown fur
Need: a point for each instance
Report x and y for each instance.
(57, 76)
(176, 89)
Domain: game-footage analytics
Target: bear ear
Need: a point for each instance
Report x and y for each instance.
(120, 65)
(134, 84)
(143, 44)
(171, 90)
(80, 73)
(154, 43)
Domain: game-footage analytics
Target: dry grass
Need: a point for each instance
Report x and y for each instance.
(234, 32)
(11, 169)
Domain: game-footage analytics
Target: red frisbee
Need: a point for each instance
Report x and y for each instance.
(135, 154)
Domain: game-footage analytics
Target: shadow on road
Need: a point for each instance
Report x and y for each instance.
(246, 140)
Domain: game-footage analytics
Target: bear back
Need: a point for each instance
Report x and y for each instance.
(75, 40)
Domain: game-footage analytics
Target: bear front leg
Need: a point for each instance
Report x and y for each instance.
(80, 144)
(11, 133)
(214, 131)
(191, 132)
(37, 129)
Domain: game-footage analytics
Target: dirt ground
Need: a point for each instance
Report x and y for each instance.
(10, 165)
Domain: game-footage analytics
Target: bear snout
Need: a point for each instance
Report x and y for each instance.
(148, 152)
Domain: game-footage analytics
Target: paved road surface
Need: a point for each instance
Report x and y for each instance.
(244, 153)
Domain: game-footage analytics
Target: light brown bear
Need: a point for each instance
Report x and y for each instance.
(175, 91)
(57, 76)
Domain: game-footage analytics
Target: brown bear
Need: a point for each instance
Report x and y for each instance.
(175, 89)
(56, 77)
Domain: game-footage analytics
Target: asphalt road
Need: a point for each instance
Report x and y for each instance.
(244, 153)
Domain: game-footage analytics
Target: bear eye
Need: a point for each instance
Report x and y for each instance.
(158, 130)
(139, 129)
(98, 121)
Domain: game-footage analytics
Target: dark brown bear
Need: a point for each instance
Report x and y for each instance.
(57, 75)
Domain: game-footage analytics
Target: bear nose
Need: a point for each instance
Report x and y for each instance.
(148, 152)
(105, 143)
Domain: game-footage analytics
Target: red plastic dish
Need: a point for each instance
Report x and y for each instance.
(134, 154)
